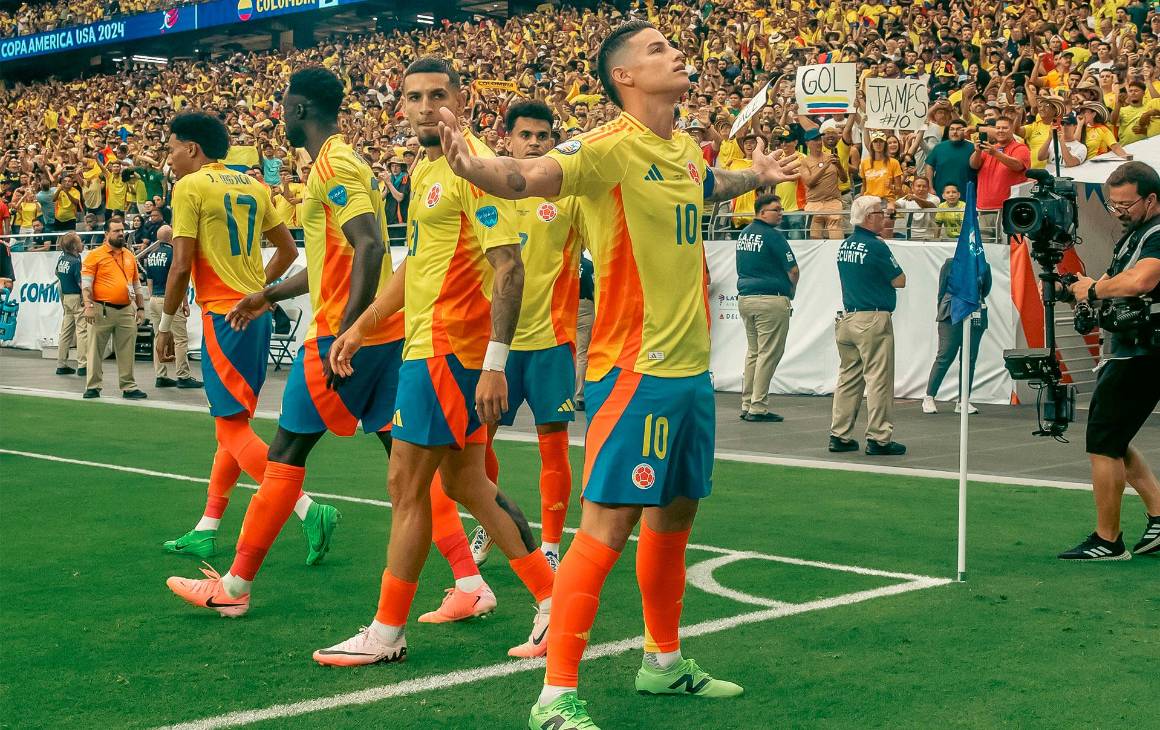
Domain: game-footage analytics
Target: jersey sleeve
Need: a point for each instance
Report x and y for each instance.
(345, 193)
(493, 220)
(186, 207)
(590, 164)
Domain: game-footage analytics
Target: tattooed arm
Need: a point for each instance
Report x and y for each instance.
(506, 297)
(728, 184)
(503, 177)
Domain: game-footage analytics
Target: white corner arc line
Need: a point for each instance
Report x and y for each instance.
(744, 457)
(700, 576)
(503, 669)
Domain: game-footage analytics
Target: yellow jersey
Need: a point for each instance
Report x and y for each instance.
(1035, 134)
(340, 187)
(550, 242)
(116, 192)
(225, 212)
(451, 224)
(642, 197)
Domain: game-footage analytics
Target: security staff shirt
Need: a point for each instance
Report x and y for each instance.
(764, 260)
(157, 265)
(68, 273)
(866, 268)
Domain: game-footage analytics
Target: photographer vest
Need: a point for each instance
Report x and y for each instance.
(1121, 346)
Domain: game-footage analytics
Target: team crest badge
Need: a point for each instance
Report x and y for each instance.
(547, 212)
(570, 147)
(337, 195)
(488, 216)
(693, 174)
(644, 476)
(434, 194)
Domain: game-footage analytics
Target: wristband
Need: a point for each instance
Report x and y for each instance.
(1091, 292)
(165, 323)
(496, 357)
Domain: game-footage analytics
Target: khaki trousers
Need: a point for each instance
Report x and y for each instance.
(766, 320)
(826, 226)
(866, 348)
(121, 325)
(155, 307)
(584, 317)
(74, 328)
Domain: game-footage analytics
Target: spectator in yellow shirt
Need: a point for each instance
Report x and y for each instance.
(1094, 133)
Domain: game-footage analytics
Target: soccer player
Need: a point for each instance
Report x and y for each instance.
(218, 218)
(541, 368)
(463, 249)
(642, 187)
(346, 266)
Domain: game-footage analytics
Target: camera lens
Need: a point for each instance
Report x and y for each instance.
(1024, 216)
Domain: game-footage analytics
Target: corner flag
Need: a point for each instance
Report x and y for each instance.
(968, 265)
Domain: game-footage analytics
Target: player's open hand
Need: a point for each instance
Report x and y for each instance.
(454, 144)
(491, 396)
(163, 343)
(248, 309)
(342, 352)
(775, 167)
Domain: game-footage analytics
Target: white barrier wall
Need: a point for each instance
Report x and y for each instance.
(810, 364)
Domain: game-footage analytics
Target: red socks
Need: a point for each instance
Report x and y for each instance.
(577, 596)
(447, 532)
(395, 599)
(555, 485)
(660, 571)
(267, 513)
(222, 478)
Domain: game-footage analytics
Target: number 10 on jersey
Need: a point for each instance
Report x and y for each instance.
(687, 219)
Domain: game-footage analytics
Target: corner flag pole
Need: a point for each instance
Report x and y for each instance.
(965, 405)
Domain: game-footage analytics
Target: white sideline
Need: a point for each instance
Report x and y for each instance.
(744, 457)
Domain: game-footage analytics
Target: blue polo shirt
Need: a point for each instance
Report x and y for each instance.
(68, 273)
(157, 265)
(866, 268)
(764, 260)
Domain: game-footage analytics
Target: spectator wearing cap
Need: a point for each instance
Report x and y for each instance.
(865, 333)
(1072, 152)
(949, 163)
(704, 137)
(881, 173)
(1002, 161)
(1095, 133)
(822, 173)
(1050, 109)
(792, 193)
(1052, 72)
(835, 141)
(767, 275)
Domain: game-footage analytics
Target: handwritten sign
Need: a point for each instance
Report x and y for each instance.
(755, 105)
(896, 104)
(827, 88)
(493, 85)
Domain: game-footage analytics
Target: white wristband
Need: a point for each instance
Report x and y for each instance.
(496, 356)
(165, 323)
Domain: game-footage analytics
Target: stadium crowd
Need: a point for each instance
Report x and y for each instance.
(1001, 77)
(37, 17)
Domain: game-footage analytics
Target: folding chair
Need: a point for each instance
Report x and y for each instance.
(281, 343)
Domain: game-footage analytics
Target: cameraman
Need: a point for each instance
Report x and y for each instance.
(1128, 388)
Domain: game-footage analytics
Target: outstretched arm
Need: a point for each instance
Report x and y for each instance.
(503, 177)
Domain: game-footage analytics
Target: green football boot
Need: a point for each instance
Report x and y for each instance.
(198, 543)
(566, 712)
(684, 677)
(319, 525)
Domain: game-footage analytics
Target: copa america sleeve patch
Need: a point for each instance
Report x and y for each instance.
(488, 216)
(337, 195)
(570, 147)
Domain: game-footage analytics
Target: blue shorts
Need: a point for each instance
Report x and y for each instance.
(436, 404)
(233, 363)
(649, 439)
(546, 379)
(368, 395)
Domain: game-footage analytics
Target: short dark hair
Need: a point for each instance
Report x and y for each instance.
(319, 86)
(764, 200)
(613, 43)
(1140, 174)
(960, 122)
(205, 130)
(434, 65)
(113, 219)
(527, 109)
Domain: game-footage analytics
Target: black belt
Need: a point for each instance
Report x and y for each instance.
(766, 294)
(114, 306)
(870, 309)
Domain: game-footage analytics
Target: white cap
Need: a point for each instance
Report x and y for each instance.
(830, 125)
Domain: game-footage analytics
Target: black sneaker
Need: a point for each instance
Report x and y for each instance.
(134, 394)
(769, 417)
(839, 445)
(188, 383)
(82, 372)
(1150, 541)
(742, 415)
(884, 448)
(1097, 548)
(92, 393)
(165, 383)
(66, 370)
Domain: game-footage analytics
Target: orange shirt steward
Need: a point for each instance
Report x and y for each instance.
(113, 274)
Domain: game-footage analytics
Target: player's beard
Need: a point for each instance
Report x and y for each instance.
(295, 136)
(429, 139)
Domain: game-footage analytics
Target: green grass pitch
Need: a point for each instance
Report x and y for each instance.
(92, 638)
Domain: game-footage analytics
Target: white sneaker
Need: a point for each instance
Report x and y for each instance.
(365, 647)
(537, 643)
(971, 410)
(481, 544)
(928, 405)
(553, 558)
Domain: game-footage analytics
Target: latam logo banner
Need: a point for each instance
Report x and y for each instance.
(162, 22)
